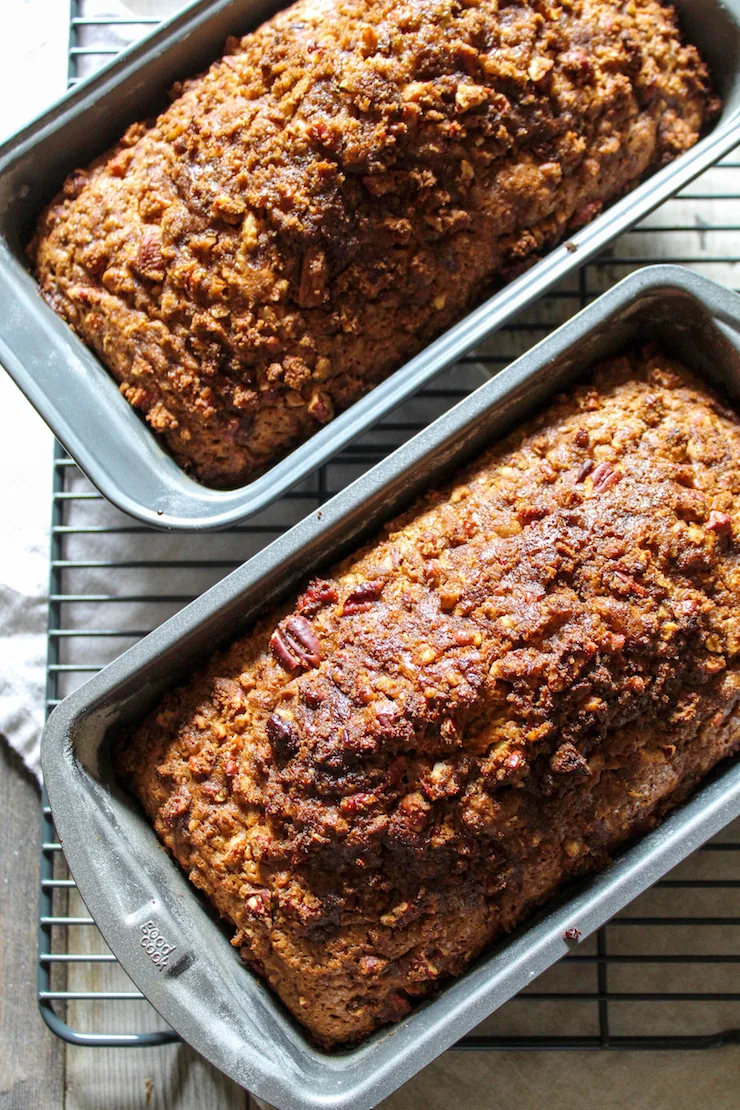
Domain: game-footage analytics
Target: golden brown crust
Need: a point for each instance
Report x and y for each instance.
(338, 188)
(528, 668)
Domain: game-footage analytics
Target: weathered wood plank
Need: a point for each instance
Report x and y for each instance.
(31, 1058)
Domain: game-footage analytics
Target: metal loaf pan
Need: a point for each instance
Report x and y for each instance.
(81, 402)
(135, 891)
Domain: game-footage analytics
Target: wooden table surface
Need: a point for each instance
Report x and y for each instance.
(39, 1071)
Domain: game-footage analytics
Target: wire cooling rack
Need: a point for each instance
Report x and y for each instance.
(665, 974)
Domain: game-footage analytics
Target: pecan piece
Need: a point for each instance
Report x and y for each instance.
(149, 262)
(397, 914)
(613, 642)
(512, 767)
(282, 736)
(449, 595)
(579, 65)
(412, 811)
(295, 644)
(539, 68)
(312, 697)
(215, 790)
(257, 903)
(387, 714)
(372, 965)
(320, 406)
(626, 584)
(176, 805)
(719, 523)
(357, 803)
(420, 968)
(549, 473)
(362, 597)
(282, 653)
(585, 470)
(605, 476)
(325, 134)
(444, 780)
(320, 592)
(531, 513)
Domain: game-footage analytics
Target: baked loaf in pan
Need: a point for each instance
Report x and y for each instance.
(339, 188)
(526, 670)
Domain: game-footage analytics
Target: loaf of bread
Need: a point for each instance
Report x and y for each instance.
(526, 670)
(339, 188)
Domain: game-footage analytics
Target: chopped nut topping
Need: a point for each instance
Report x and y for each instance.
(719, 522)
(319, 593)
(257, 904)
(356, 803)
(626, 584)
(149, 262)
(585, 470)
(578, 63)
(176, 805)
(320, 406)
(362, 597)
(539, 68)
(531, 513)
(449, 596)
(469, 96)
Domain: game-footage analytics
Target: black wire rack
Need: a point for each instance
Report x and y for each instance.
(664, 974)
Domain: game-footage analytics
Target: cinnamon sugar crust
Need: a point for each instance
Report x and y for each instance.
(339, 188)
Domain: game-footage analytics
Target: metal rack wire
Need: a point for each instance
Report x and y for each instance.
(665, 974)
